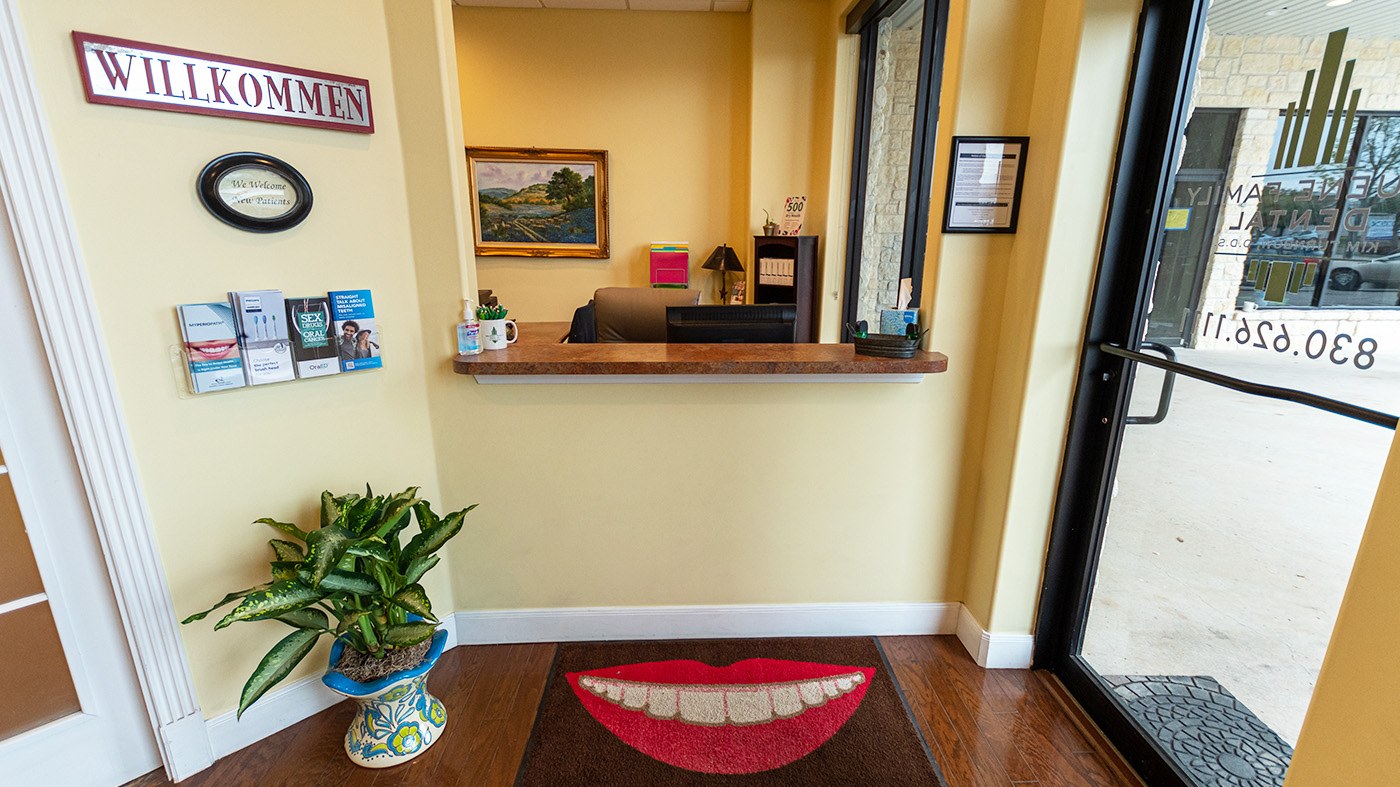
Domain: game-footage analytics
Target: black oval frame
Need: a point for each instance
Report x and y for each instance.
(207, 188)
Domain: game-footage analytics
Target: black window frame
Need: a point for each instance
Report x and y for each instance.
(865, 20)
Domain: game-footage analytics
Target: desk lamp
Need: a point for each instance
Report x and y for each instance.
(724, 260)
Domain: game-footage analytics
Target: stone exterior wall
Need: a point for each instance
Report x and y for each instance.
(887, 185)
(1260, 75)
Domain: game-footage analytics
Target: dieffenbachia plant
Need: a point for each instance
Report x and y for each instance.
(352, 569)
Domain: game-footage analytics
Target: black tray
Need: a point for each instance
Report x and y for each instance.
(886, 345)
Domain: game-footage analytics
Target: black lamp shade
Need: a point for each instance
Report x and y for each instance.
(723, 258)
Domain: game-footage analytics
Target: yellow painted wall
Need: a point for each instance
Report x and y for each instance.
(1352, 730)
(666, 94)
(1079, 55)
(210, 465)
(625, 495)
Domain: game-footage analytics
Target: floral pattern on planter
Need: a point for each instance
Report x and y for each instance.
(397, 718)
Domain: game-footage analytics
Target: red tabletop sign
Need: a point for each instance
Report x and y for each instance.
(150, 76)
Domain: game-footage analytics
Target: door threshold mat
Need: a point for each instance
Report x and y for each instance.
(1212, 735)
(803, 711)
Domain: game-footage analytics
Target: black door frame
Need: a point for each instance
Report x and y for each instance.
(1150, 140)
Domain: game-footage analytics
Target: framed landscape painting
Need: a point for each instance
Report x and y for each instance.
(530, 202)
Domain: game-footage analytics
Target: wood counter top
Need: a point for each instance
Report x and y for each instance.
(539, 357)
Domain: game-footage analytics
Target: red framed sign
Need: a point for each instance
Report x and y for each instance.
(150, 76)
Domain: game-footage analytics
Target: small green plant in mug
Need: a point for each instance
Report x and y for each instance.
(497, 312)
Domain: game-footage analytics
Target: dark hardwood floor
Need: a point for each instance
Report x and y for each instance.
(986, 727)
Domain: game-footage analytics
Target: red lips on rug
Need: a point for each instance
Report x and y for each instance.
(751, 716)
(790, 712)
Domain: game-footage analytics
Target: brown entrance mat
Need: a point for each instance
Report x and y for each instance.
(811, 711)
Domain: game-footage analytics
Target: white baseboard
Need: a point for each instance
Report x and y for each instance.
(276, 711)
(994, 651)
(292, 703)
(703, 622)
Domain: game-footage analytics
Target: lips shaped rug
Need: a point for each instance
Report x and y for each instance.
(780, 711)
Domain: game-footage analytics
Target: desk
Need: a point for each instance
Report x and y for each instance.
(538, 357)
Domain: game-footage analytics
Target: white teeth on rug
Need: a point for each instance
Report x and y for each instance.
(714, 706)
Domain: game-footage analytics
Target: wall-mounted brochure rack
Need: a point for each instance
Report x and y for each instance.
(260, 337)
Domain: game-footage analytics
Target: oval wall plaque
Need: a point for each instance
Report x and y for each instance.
(254, 192)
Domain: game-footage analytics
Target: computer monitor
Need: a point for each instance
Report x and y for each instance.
(761, 323)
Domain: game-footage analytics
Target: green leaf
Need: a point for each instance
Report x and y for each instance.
(347, 582)
(325, 549)
(330, 509)
(285, 569)
(277, 664)
(385, 577)
(285, 527)
(286, 550)
(415, 599)
(418, 567)
(430, 541)
(403, 635)
(361, 514)
(427, 520)
(226, 599)
(372, 550)
(279, 599)
(306, 618)
(350, 621)
(395, 515)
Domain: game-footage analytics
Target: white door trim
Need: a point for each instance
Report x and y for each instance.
(63, 305)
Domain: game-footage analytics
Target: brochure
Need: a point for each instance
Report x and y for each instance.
(356, 336)
(211, 346)
(313, 348)
(261, 319)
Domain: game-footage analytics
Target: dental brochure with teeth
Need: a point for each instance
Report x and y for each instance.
(313, 346)
(211, 346)
(261, 320)
(356, 336)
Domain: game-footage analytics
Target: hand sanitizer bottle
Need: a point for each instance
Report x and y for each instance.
(468, 331)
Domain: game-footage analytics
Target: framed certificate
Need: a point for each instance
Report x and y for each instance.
(984, 184)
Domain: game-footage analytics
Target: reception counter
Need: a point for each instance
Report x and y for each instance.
(539, 357)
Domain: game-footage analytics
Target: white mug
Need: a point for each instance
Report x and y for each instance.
(494, 333)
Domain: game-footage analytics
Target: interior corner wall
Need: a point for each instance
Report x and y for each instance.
(665, 93)
(1352, 731)
(1066, 57)
(210, 465)
(424, 61)
(988, 67)
(793, 92)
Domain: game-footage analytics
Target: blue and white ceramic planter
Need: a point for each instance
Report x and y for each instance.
(397, 718)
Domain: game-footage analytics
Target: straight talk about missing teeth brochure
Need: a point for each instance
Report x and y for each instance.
(357, 337)
(261, 317)
(211, 346)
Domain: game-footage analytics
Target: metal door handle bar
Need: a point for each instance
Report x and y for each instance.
(1168, 380)
(1270, 391)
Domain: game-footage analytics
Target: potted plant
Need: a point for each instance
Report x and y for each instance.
(352, 579)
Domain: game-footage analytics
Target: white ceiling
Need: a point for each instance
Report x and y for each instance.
(738, 6)
(1366, 18)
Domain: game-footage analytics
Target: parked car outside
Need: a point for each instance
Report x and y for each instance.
(1349, 275)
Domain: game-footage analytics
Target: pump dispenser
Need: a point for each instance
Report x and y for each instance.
(468, 331)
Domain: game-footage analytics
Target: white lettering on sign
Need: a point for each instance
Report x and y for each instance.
(149, 76)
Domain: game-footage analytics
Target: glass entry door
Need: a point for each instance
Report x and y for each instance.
(1239, 373)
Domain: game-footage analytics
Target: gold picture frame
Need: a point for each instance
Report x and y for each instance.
(536, 202)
